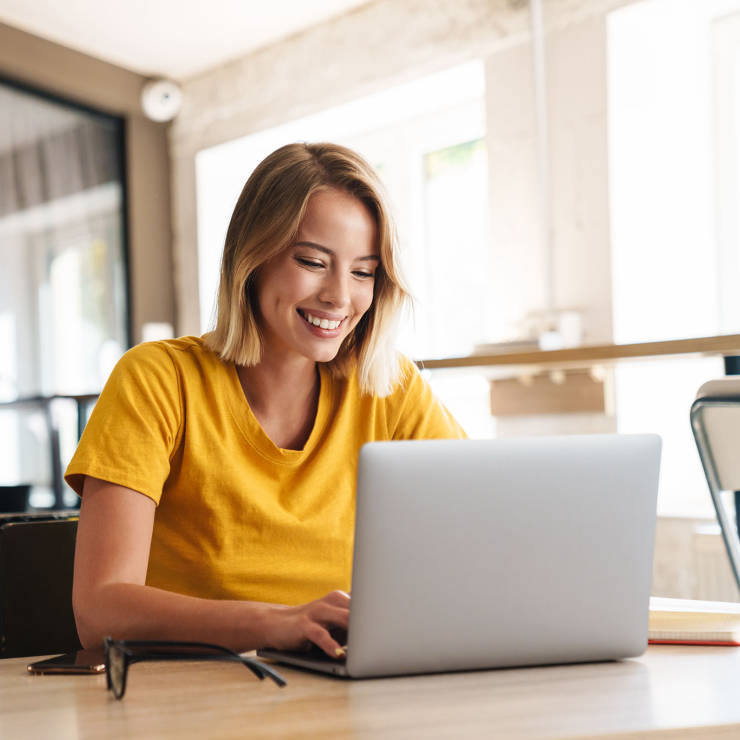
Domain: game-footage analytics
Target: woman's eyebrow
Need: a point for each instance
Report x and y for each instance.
(326, 250)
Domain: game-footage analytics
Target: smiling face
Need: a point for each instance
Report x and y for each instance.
(312, 295)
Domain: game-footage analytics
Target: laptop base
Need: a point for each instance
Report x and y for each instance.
(313, 660)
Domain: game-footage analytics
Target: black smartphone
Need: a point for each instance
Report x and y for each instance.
(82, 662)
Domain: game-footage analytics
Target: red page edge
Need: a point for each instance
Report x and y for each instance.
(693, 642)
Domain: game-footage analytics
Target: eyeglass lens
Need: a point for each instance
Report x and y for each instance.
(117, 669)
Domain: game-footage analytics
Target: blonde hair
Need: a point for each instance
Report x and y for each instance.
(266, 221)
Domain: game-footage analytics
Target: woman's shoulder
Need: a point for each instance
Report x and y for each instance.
(181, 353)
(407, 377)
(166, 367)
(409, 369)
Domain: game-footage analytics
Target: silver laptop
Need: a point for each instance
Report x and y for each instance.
(500, 553)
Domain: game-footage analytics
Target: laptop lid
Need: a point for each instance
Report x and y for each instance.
(482, 554)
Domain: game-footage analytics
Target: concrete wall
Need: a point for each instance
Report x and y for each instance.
(391, 41)
(76, 77)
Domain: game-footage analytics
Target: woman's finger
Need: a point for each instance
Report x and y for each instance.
(322, 639)
(339, 598)
(330, 616)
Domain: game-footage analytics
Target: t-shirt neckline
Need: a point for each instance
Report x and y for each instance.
(256, 436)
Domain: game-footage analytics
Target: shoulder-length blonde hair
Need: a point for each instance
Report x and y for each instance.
(265, 222)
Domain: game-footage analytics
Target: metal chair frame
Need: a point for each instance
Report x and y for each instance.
(728, 527)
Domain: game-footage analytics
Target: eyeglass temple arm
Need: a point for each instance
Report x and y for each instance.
(260, 670)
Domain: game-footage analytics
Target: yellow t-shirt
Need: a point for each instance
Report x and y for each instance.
(237, 517)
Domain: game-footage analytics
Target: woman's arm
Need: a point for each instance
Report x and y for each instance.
(109, 596)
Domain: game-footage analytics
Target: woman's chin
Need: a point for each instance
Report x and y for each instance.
(325, 355)
(325, 352)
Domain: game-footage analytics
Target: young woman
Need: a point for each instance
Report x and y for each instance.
(217, 474)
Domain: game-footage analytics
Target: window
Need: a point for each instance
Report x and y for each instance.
(63, 296)
(457, 276)
(673, 170)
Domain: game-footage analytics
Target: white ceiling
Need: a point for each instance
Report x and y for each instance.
(169, 38)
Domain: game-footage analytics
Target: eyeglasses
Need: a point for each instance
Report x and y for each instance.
(120, 654)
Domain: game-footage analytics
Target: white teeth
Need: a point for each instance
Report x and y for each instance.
(321, 323)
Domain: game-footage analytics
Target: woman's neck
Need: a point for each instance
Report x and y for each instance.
(284, 398)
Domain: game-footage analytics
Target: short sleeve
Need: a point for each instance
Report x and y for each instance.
(416, 413)
(135, 426)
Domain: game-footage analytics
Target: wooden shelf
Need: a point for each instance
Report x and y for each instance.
(586, 356)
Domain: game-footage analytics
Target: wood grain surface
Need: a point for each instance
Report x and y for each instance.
(670, 692)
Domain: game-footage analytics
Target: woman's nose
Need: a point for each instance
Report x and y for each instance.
(335, 290)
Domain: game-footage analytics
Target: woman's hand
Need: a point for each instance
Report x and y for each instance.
(296, 627)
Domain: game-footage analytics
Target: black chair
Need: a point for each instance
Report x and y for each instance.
(14, 499)
(36, 569)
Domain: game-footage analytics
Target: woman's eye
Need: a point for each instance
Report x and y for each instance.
(308, 263)
(364, 275)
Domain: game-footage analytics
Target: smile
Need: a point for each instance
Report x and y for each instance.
(320, 323)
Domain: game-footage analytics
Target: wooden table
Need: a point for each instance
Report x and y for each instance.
(670, 692)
